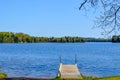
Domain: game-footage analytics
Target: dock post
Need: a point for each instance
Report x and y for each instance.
(75, 59)
(60, 63)
(60, 59)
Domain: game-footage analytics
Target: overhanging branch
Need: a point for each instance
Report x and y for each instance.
(82, 4)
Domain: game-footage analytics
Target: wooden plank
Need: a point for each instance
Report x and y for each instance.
(69, 71)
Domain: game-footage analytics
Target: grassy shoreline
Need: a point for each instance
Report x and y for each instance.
(93, 78)
(84, 78)
(3, 75)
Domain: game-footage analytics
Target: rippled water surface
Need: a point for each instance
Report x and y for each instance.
(42, 59)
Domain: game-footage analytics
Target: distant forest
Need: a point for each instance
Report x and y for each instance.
(116, 38)
(10, 37)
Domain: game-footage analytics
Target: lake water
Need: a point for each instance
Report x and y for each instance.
(42, 59)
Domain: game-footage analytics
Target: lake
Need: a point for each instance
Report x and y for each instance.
(41, 60)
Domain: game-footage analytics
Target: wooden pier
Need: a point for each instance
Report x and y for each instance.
(69, 71)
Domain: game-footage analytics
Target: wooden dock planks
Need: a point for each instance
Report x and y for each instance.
(69, 71)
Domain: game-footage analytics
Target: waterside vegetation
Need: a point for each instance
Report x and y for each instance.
(3, 75)
(10, 37)
(116, 38)
(93, 78)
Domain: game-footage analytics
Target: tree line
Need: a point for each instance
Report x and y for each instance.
(97, 39)
(116, 38)
(10, 37)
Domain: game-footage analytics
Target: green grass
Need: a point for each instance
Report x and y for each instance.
(110, 78)
(57, 78)
(93, 78)
(3, 75)
(89, 78)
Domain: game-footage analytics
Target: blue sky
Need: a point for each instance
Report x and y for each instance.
(47, 18)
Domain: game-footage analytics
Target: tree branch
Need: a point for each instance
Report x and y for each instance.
(109, 19)
(82, 4)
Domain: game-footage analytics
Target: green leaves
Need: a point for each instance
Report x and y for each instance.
(3, 75)
(9, 37)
